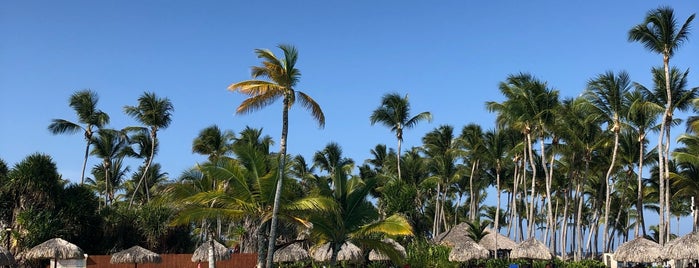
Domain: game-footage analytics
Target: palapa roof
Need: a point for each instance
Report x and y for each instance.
(683, 248)
(348, 252)
(135, 254)
(468, 251)
(531, 249)
(455, 236)
(640, 250)
(6, 258)
(375, 255)
(504, 242)
(201, 254)
(291, 253)
(55, 248)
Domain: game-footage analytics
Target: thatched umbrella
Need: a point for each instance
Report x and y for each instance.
(55, 249)
(374, 255)
(504, 242)
(639, 250)
(467, 251)
(6, 258)
(531, 249)
(455, 236)
(291, 253)
(683, 248)
(135, 255)
(348, 252)
(201, 254)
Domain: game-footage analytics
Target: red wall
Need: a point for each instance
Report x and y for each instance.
(242, 260)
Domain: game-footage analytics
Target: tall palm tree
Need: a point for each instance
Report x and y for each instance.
(606, 93)
(155, 113)
(687, 181)
(496, 149)
(394, 113)
(84, 103)
(281, 79)
(660, 34)
(443, 150)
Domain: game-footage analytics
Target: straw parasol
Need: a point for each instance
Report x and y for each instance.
(374, 255)
(6, 258)
(531, 249)
(348, 252)
(455, 236)
(683, 248)
(639, 250)
(135, 255)
(55, 249)
(201, 254)
(290, 253)
(504, 242)
(468, 251)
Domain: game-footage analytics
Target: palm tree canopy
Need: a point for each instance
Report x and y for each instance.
(84, 103)
(659, 31)
(394, 112)
(152, 111)
(280, 78)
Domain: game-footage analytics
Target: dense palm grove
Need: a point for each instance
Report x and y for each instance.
(578, 173)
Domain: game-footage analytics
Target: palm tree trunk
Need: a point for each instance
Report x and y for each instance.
(87, 152)
(400, 139)
(530, 220)
(639, 200)
(472, 206)
(280, 178)
(548, 174)
(661, 183)
(497, 206)
(435, 221)
(153, 135)
(607, 205)
(667, 179)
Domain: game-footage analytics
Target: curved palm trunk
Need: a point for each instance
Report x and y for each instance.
(663, 170)
(530, 220)
(607, 204)
(667, 178)
(280, 178)
(400, 139)
(548, 174)
(578, 219)
(145, 169)
(497, 206)
(87, 153)
(472, 204)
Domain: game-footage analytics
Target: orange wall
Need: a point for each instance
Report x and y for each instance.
(242, 260)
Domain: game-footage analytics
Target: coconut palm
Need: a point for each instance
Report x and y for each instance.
(282, 78)
(660, 34)
(394, 112)
(109, 145)
(84, 103)
(213, 142)
(353, 218)
(686, 183)
(155, 113)
(496, 148)
(442, 149)
(606, 93)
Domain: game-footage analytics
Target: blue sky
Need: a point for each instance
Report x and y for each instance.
(448, 56)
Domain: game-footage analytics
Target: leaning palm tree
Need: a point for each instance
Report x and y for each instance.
(109, 145)
(154, 113)
(281, 78)
(84, 103)
(606, 93)
(394, 112)
(660, 34)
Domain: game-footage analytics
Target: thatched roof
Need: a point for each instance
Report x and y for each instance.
(201, 254)
(468, 251)
(135, 254)
(348, 252)
(455, 236)
(683, 248)
(504, 242)
(639, 250)
(375, 255)
(291, 253)
(6, 258)
(55, 248)
(531, 249)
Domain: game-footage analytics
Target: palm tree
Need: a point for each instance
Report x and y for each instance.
(109, 145)
(213, 142)
(496, 149)
(606, 93)
(154, 113)
(442, 148)
(84, 103)
(282, 78)
(394, 113)
(687, 181)
(353, 218)
(660, 34)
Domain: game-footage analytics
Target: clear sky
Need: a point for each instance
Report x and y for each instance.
(448, 56)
